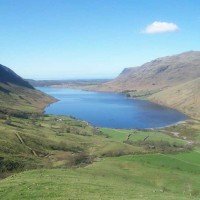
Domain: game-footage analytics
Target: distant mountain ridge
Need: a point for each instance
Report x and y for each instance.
(173, 81)
(9, 76)
(158, 74)
(74, 83)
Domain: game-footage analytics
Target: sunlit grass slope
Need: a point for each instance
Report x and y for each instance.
(149, 176)
(14, 98)
(73, 160)
(56, 141)
(184, 97)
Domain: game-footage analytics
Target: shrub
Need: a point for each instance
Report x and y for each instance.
(9, 165)
(160, 146)
(114, 153)
(8, 122)
(62, 146)
(81, 158)
(2, 116)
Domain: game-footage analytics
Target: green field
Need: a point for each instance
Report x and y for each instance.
(127, 177)
(53, 141)
(137, 135)
(55, 157)
(48, 157)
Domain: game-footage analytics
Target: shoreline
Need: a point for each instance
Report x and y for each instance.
(170, 125)
(109, 92)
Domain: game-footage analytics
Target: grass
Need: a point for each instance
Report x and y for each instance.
(51, 141)
(15, 98)
(189, 130)
(125, 177)
(184, 162)
(77, 161)
(141, 94)
(186, 97)
(56, 157)
(56, 141)
(138, 135)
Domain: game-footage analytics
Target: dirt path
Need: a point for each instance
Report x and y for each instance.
(177, 134)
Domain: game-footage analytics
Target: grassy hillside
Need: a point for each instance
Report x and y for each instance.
(9, 76)
(57, 157)
(99, 164)
(52, 141)
(126, 177)
(14, 98)
(184, 97)
(158, 74)
(18, 96)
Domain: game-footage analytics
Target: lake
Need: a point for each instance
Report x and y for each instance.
(110, 109)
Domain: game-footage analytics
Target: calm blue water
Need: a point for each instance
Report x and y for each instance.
(110, 110)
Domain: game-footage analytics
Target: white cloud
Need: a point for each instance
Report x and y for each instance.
(161, 27)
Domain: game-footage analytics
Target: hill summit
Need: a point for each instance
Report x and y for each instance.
(17, 95)
(9, 76)
(173, 81)
(158, 74)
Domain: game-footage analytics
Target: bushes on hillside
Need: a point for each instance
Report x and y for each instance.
(7, 165)
(63, 146)
(80, 159)
(3, 116)
(115, 153)
(160, 146)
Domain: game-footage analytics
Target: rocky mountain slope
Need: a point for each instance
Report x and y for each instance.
(172, 81)
(16, 94)
(158, 74)
(185, 97)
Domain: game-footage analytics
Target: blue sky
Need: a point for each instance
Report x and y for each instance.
(62, 39)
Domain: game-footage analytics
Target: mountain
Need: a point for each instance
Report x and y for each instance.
(8, 76)
(17, 95)
(76, 83)
(158, 74)
(185, 97)
(173, 81)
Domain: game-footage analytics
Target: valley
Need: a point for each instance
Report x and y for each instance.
(46, 156)
(73, 159)
(172, 81)
(99, 100)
